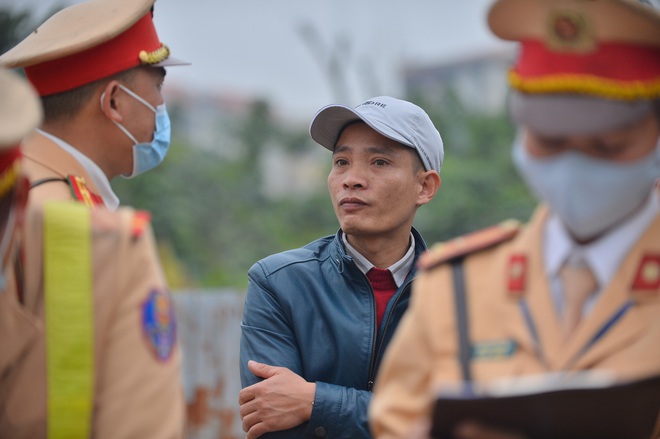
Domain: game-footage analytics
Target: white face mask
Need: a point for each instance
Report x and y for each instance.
(147, 156)
(589, 195)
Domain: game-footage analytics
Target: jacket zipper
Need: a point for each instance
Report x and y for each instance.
(374, 354)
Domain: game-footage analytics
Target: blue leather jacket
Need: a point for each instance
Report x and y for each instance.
(313, 311)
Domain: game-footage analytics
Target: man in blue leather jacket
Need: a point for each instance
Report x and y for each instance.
(317, 319)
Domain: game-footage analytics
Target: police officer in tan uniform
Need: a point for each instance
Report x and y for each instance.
(98, 67)
(578, 288)
(20, 113)
(87, 326)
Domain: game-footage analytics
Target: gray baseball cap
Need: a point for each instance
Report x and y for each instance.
(396, 119)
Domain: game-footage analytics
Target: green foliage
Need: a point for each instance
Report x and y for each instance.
(212, 212)
(480, 186)
(13, 28)
(212, 215)
(16, 25)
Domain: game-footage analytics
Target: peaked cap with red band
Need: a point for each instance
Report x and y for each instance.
(20, 109)
(89, 41)
(602, 48)
(20, 113)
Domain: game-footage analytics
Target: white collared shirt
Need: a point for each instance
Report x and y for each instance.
(98, 177)
(399, 269)
(604, 255)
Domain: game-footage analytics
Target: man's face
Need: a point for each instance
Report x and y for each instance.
(139, 119)
(607, 181)
(375, 184)
(625, 144)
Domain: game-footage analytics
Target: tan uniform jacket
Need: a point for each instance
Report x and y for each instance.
(423, 353)
(137, 392)
(43, 159)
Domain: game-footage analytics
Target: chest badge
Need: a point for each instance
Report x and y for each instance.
(517, 275)
(493, 349)
(647, 278)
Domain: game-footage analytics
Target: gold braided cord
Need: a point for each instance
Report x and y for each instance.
(587, 84)
(8, 178)
(158, 55)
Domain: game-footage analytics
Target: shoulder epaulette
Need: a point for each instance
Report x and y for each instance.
(81, 193)
(470, 243)
(141, 219)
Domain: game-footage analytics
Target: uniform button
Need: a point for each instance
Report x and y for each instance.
(319, 431)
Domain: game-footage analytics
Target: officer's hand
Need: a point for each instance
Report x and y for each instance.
(281, 401)
(475, 430)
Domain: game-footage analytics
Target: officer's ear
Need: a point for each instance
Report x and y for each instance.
(110, 101)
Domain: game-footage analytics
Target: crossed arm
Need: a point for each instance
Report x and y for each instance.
(283, 400)
(277, 399)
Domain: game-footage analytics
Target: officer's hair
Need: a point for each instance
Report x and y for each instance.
(61, 107)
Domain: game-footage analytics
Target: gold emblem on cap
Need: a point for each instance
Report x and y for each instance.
(158, 55)
(569, 31)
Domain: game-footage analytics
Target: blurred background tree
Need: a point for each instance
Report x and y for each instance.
(480, 186)
(16, 25)
(213, 213)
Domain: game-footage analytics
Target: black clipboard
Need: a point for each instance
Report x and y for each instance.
(625, 410)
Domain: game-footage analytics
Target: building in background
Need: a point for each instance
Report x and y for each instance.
(477, 81)
(219, 122)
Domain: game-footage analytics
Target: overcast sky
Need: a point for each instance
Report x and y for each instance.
(256, 47)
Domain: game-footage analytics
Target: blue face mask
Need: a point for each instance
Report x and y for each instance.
(147, 156)
(589, 195)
